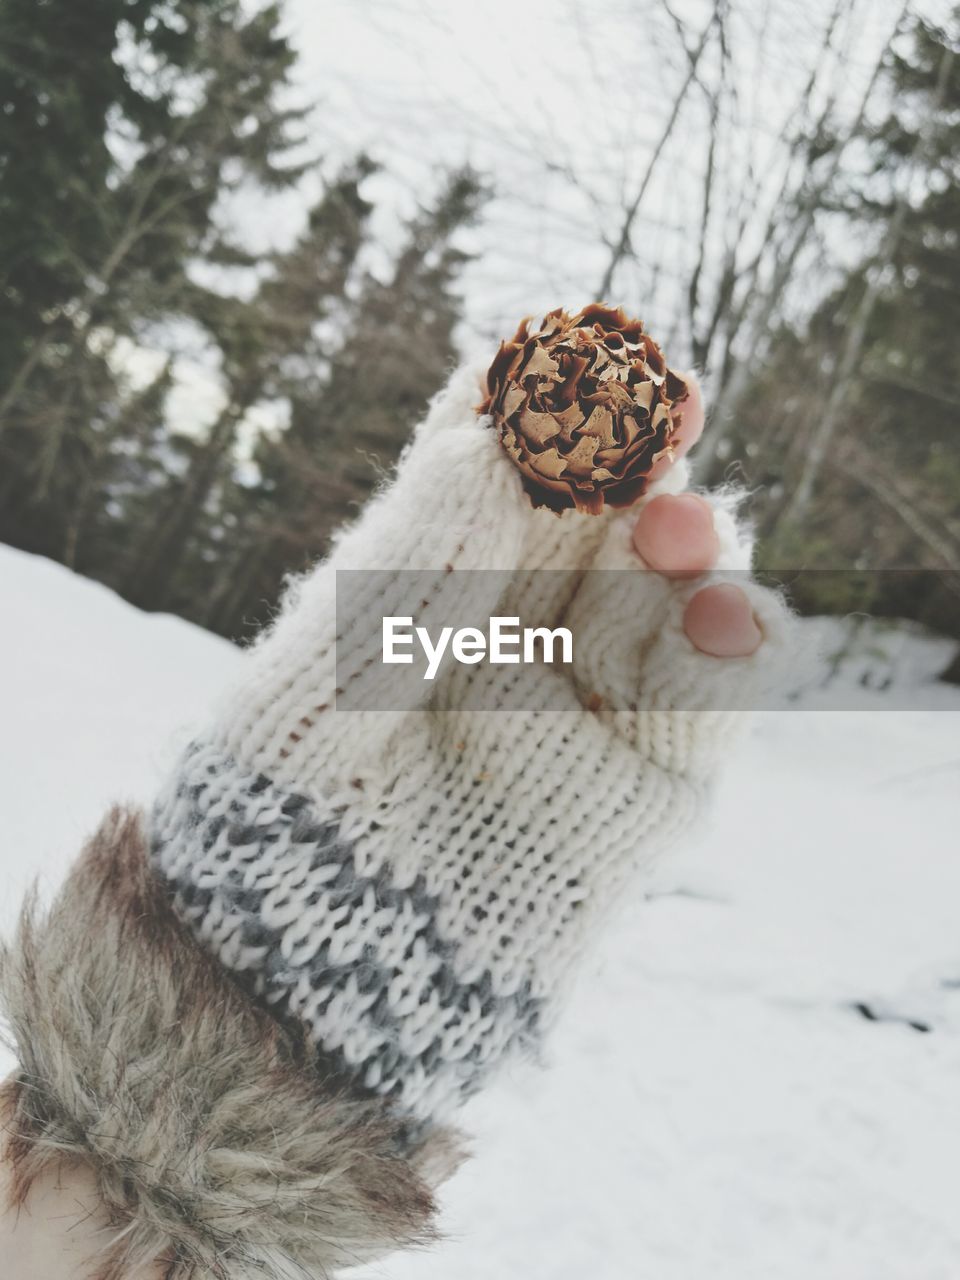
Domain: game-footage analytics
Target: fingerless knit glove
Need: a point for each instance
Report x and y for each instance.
(255, 1010)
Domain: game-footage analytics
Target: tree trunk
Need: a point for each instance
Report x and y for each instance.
(756, 313)
(951, 672)
(148, 583)
(622, 246)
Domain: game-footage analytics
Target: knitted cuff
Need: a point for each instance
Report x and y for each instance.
(220, 1143)
(419, 946)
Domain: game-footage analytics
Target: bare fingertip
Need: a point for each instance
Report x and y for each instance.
(720, 622)
(675, 535)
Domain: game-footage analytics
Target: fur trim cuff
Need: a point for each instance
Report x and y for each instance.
(217, 1142)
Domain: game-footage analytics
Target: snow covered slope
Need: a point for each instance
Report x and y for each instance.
(718, 1107)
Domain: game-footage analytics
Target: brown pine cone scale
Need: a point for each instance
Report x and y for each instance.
(584, 406)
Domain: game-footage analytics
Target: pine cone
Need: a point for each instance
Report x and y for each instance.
(584, 406)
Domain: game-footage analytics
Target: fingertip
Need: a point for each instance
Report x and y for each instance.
(691, 418)
(691, 413)
(675, 535)
(719, 620)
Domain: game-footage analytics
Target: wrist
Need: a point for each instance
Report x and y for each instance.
(54, 1226)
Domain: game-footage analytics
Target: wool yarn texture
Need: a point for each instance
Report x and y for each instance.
(415, 887)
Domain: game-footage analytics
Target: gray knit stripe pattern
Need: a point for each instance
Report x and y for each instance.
(269, 885)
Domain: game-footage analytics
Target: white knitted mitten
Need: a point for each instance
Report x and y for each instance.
(413, 886)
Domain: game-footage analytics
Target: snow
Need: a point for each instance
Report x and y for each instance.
(716, 1105)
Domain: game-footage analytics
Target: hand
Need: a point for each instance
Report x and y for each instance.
(401, 893)
(59, 1230)
(467, 853)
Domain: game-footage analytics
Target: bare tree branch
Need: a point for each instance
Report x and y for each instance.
(621, 245)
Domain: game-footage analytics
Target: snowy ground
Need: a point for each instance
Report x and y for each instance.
(717, 1105)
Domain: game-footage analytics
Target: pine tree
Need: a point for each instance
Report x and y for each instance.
(58, 84)
(886, 495)
(350, 417)
(123, 133)
(187, 94)
(269, 345)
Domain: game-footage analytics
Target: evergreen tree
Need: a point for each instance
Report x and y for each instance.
(187, 96)
(123, 125)
(270, 344)
(58, 83)
(350, 414)
(887, 495)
